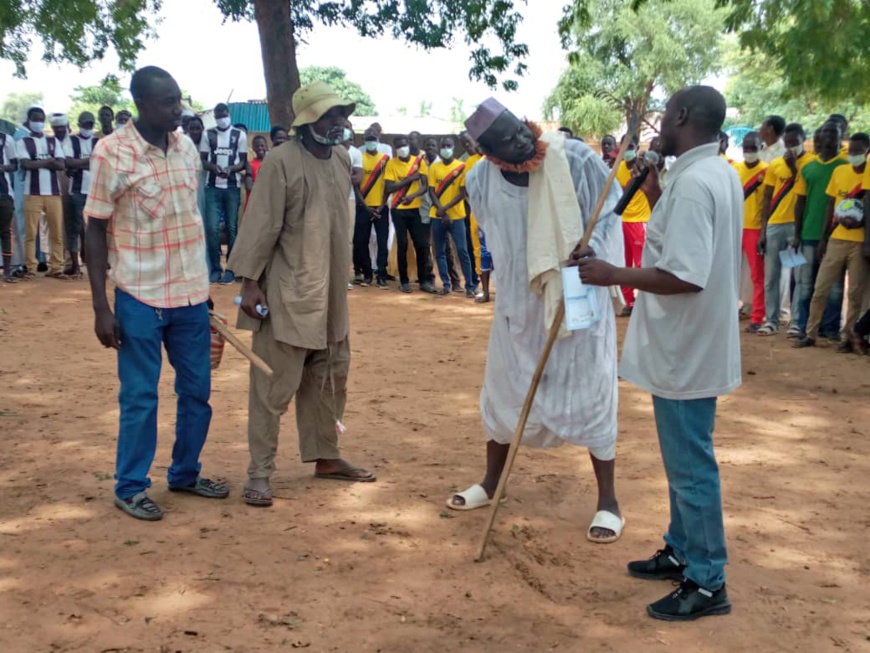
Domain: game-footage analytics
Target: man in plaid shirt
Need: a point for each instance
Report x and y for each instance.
(144, 221)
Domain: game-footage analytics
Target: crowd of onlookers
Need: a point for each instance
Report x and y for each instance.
(805, 245)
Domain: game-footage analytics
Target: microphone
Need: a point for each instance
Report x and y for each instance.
(651, 159)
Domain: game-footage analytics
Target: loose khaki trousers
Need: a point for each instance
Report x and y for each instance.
(318, 380)
(839, 254)
(34, 206)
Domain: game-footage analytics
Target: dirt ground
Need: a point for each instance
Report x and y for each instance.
(383, 567)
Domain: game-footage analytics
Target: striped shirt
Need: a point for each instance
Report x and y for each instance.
(79, 147)
(40, 148)
(156, 237)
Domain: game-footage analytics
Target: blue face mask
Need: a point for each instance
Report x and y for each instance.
(447, 153)
(371, 146)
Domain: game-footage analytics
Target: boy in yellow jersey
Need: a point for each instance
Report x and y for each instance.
(372, 212)
(447, 190)
(407, 180)
(751, 172)
(846, 235)
(777, 220)
(634, 220)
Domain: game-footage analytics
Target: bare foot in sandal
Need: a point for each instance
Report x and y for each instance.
(257, 492)
(341, 470)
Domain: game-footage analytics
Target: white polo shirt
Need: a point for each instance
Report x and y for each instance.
(687, 346)
(356, 161)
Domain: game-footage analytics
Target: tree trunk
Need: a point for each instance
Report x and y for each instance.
(278, 45)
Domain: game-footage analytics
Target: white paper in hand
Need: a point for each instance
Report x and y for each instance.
(791, 258)
(581, 302)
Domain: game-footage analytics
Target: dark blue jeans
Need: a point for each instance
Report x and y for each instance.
(185, 334)
(456, 229)
(696, 532)
(219, 201)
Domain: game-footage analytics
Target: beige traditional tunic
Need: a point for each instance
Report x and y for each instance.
(293, 241)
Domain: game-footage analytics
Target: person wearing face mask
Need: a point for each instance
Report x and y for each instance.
(42, 159)
(372, 212)
(378, 131)
(407, 181)
(810, 218)
(292, 255)
(122, 118)
(844, 246)
(751, 172)
(634, 221)
(777, 221)
(78, 161)
(448, 194)
(430, 153)
(224, 153)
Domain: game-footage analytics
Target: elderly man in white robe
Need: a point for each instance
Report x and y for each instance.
(518, 196)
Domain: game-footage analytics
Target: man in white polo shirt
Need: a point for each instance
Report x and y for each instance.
(683, 342)
(224, 153)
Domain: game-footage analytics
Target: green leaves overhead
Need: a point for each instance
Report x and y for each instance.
(346, 89)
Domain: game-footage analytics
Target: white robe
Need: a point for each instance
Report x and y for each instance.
(577, 398)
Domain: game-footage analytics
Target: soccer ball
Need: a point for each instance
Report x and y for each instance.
(849, 208)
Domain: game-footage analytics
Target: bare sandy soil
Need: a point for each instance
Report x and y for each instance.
(383, 567)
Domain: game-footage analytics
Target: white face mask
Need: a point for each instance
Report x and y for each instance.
(37, 127)
(630, 156)
(797, 150)
(447, 153)
(86, 133)
(403, 152)
(347, 135)
(223, 123)
(750, 157)
(857, 160)
(324, 140)
(371, 146)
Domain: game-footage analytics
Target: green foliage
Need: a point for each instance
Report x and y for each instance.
(346, 89)
(458, 114)
(15, 106)
(425, 109)
(624, 62)
(758, 88)
(90, 98)
(75, 31)
(430, 24)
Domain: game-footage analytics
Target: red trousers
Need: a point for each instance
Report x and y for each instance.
(756, 273)
(634, 234)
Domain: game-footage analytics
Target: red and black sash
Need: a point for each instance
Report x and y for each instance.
(400, 195)
(856, 193)
(50, 144)
(784, 190)
(452, 176)
(753, 184)
(369, 183)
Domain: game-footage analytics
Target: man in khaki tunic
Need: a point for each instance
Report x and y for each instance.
(292, 254)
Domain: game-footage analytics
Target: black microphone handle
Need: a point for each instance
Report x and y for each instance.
(631, 191)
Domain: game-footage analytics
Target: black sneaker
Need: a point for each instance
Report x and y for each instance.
(405, 287)
(42, 267)
(662, 566)
(690, 602)
(382, 284)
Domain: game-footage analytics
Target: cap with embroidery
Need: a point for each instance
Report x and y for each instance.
(483, 118)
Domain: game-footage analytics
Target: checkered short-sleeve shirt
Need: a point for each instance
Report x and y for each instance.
(155, 231)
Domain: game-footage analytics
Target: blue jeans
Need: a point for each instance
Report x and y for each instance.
(185, 334)
(456, 229)
(805, 284)
(779, 237)
(219, 201)
(696, 533)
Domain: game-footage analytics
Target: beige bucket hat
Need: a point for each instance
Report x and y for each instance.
(311, 102)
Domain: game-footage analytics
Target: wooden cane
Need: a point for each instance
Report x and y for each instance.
(545, 355)
(242, 348)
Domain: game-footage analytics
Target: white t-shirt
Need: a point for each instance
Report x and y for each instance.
(225, 154)
(770, 152)
(687, 346)
(42, 181)
(356, 161)
(81, 183)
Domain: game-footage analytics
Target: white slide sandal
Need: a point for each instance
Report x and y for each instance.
(474, 497)
(606, 519)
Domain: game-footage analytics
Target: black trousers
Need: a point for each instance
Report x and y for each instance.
(362, 260)
(7, 212)
(408, 221)
(469, 243)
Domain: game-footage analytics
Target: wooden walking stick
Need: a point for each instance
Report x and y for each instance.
(242, 348)
(545, 355)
